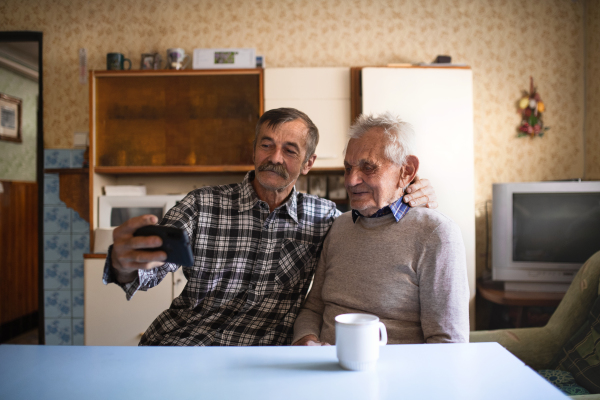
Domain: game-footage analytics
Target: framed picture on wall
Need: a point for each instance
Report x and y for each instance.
(11, 110)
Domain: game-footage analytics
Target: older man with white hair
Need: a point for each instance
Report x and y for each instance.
(405, 265)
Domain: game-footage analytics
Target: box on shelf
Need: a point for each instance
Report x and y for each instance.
(224, 58)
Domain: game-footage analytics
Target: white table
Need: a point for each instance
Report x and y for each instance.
(434, 371)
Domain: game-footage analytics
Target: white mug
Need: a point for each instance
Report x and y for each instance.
(357, 340)
(177, 59)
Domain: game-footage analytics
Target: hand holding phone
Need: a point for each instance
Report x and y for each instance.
(175, 242)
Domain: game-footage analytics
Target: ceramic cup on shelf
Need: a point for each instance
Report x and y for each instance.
(177, 59)
(357, 340)
(116, 61)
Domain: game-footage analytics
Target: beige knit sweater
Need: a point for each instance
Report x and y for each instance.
(412, 274)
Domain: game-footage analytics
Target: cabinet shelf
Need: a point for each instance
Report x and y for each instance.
(193, 169)
(185, 169)
(184, 72)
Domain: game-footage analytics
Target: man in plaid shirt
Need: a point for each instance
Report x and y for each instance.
(255, 245)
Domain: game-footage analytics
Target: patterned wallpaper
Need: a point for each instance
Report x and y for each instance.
(17, 160)
(592, 91)
(504, 41)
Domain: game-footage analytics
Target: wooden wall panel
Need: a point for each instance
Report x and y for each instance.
(74, 191)
(18, 250)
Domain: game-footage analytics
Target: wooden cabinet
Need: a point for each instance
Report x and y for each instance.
(168, 130)
(166, 121)
(147, 124)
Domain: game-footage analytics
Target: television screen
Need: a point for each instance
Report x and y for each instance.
(555, 227)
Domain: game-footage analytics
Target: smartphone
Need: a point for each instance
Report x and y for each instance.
(176, 243)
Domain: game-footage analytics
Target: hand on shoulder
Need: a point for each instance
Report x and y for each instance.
(420, 193)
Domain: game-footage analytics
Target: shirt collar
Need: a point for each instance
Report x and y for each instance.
(249, 198)
(292, 204)
(398, 208)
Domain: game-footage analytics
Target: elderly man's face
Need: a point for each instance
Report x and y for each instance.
(372, 181)
(279, 155)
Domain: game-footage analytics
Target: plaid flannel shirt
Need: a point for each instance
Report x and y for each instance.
(251, 272)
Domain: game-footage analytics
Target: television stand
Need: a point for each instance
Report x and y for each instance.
(494, 292)
(547, 287)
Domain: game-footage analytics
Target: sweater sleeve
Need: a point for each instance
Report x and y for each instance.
(443, 286)
(310, 318)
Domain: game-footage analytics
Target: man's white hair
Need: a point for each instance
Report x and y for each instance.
(400, 135)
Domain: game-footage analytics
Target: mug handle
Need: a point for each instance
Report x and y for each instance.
(129, 61)
(186, 62)
(383, 332)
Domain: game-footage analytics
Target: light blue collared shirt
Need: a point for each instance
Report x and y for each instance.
(398, 208)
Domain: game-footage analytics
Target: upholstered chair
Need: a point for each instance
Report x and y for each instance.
(537, 347)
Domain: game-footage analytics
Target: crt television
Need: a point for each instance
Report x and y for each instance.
(543, 232)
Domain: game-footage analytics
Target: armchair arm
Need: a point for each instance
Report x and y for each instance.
(534, 346)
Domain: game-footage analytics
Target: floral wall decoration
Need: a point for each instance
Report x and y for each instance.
(531, 109)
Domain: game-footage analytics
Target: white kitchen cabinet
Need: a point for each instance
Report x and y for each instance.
(111, 320)
(438, 103)
(324, 95)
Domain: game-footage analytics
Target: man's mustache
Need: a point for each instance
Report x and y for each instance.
(277, 168)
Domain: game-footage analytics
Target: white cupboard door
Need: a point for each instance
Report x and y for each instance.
(321, 93)
(111, 320)
(438, 103)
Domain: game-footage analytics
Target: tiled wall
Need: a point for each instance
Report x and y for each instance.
(66, 239)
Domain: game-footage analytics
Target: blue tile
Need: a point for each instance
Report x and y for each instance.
(57, 304)
(78, 331)
(77, 275)
(58, 331)
(77, 304)
(57, 219)
(57, 158)
(80, 244)
(57, 276)
(78, 224)
(77, 158)
(57, 247)
(51, 189)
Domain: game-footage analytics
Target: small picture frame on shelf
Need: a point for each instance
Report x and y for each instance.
(11, 110)
(337, 190)
(318, 185)
(150, 61)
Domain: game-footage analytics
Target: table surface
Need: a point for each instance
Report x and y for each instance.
(430, 371)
